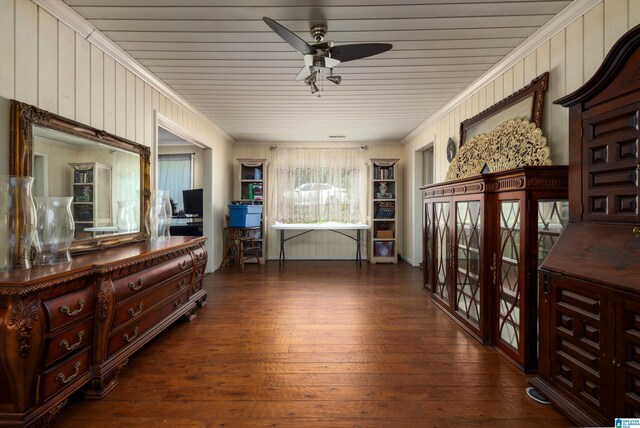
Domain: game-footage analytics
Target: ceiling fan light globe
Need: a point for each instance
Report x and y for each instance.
(334, 79)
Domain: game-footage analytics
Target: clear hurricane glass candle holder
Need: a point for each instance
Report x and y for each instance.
(54, 229)
(17, 222)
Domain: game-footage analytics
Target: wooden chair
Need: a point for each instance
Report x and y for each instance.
(240, 245)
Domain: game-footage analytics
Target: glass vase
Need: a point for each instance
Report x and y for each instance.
(126, 220)
(160, 214)
(54, 229)
(17, 222)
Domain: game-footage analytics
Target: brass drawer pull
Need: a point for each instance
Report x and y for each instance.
(636, 229)
(183, 265)
(182, 284)
(70, 347)
(178, 303)
(130, 339)
(200, 256)
(67, 311)
(136, 287)
(133, 312)
(60, 378)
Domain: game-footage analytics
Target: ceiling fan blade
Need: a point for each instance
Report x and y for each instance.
(303, 74)
(289, 37)
(346, 53)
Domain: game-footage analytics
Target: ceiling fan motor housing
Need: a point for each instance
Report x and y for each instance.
(318, 31)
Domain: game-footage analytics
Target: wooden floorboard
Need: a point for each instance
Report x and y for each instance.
(316, 344)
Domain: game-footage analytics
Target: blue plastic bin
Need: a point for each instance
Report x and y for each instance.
(244, 215)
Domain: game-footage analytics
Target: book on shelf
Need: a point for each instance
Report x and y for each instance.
(385, 210)
(383, 173)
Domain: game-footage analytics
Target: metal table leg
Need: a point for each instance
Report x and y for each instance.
(281, 256)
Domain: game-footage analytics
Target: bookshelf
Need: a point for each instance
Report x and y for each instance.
(91, 190)
(383, 188)
(253, 190)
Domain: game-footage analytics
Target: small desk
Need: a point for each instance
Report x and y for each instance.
(310, 227)
(185, 227)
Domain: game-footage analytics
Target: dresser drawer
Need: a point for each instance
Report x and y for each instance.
(69, 308)
(135, 330)
(200, 255)
(68, 342)
(63, 375)
(136, 283)
(137, 307)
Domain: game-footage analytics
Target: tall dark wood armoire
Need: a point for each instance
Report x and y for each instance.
(589, 364)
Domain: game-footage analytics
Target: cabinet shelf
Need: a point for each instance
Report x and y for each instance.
(382, 242)
(252, 190)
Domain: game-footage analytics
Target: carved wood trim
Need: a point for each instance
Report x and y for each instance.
(117, 269)
(24, 314)
(537, 87)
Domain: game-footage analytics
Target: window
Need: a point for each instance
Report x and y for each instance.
(175, 175)
(320, 185)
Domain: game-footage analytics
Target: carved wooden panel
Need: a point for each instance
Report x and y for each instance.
(627, 360)
(580, 358)
(610, 159)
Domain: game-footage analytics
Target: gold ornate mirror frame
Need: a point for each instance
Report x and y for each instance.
(526, 104)
(24, 117)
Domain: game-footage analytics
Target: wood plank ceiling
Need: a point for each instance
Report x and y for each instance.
(221, 57)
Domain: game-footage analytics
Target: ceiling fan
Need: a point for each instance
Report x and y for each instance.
(322, 56)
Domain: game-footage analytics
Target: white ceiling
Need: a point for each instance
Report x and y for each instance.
(222, 58)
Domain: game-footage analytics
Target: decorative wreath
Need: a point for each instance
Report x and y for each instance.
(512, 144)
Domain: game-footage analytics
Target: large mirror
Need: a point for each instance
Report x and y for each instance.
(527, 103)
(107, 176)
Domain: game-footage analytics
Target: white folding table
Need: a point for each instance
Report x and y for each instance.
(310, 227)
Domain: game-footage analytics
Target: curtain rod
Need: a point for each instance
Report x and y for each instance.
(320, 148)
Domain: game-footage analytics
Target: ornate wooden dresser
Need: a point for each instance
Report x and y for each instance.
(64, 327)
(590, 282)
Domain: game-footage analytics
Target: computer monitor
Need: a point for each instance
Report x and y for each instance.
(193, 202)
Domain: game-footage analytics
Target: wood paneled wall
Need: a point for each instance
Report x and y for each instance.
(571, 57)
(320, 244)
(47, 64)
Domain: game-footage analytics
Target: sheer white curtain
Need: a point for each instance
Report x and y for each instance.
(320, 185)
(174, 175)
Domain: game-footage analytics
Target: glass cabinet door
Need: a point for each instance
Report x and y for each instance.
(508, 280)
(467, 273)
(553, 216)
(441, 251)
(428, 246)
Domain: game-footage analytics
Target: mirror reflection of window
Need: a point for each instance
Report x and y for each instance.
(175, 174)
(40, 184)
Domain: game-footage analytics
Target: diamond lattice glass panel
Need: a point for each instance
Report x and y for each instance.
(509, 287)
(467, 301)
(428, 245)
(441, 213)
(553, 216)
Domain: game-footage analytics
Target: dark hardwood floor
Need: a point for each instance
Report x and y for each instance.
(319, 343)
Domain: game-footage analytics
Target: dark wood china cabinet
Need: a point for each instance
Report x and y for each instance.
(484, 236)
(590, 282)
